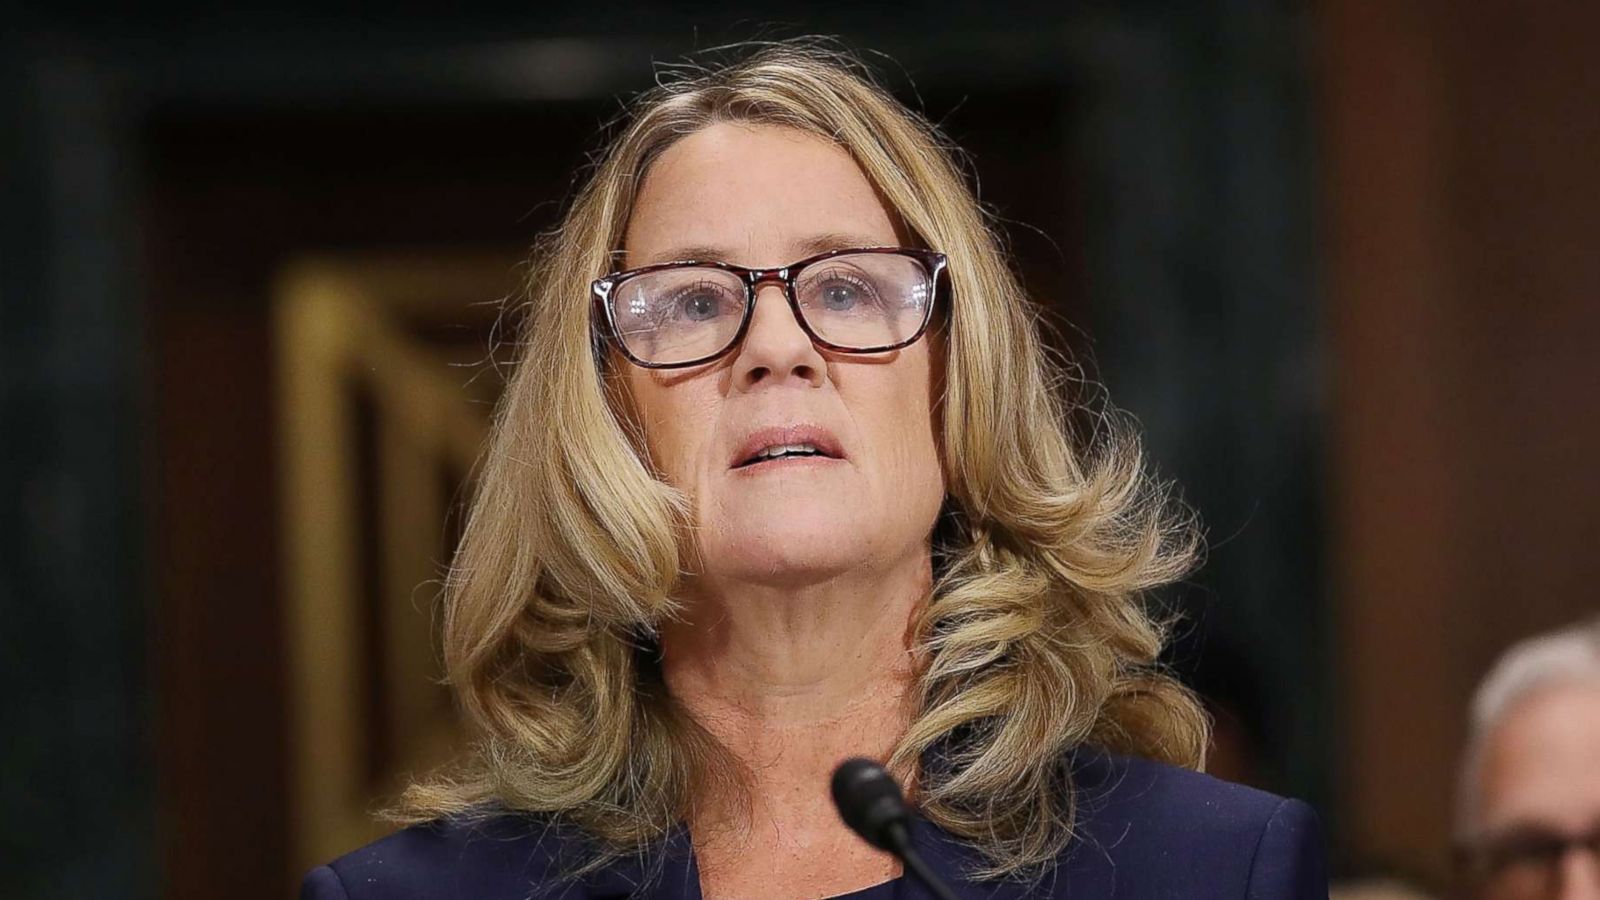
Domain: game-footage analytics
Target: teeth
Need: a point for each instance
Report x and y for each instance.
(781, 449)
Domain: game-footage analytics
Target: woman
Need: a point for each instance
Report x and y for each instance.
(781, 479)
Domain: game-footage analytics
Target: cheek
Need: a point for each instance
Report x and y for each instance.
(675, 421)
(905, 423)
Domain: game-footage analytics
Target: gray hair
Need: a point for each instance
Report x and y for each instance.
(1570, 654)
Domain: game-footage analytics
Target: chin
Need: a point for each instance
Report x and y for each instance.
(803, 546)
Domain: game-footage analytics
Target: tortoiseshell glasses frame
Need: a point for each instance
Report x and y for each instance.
(933, 264)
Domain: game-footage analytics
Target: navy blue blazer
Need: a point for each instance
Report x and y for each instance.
(1144, 830)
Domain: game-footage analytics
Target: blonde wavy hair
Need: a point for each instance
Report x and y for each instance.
(1036, 638)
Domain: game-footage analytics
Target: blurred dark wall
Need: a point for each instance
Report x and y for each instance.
(1463, 258)
(76, 710)
(1152, 164)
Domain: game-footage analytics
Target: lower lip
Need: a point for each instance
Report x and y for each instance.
(786, 463)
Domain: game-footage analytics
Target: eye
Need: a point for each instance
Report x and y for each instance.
(839, 296)
(841, 293)
(701, 302)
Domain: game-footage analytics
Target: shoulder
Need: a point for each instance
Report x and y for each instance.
(482, 858)
(1156, 828)
(1112, 786)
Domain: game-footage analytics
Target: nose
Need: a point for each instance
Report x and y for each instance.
(775, 347)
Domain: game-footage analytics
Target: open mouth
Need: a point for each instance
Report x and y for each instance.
(778, 452)
(786, 444)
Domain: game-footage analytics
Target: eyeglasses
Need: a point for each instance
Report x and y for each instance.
(864, 300)
(1522, 862)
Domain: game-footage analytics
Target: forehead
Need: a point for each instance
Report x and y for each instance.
(757, 195)
(1542, 762)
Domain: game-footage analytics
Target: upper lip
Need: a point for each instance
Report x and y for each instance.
(762, 438)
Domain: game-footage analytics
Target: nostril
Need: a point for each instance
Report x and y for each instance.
(776, 347)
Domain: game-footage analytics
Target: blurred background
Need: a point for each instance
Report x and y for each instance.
(1338, 258)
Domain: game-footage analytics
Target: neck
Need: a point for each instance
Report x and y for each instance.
(793, 680)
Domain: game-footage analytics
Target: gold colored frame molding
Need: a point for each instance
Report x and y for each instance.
(350, 357)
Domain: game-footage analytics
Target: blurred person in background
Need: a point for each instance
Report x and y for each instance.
(1528, 810)
(782, 479)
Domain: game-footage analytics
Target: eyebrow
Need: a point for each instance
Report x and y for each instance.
(819, 243)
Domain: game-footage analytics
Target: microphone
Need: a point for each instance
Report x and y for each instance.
(870, 803)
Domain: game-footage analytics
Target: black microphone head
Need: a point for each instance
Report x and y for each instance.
(870, 803)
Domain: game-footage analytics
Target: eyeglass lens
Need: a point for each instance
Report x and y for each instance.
(854, 301)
